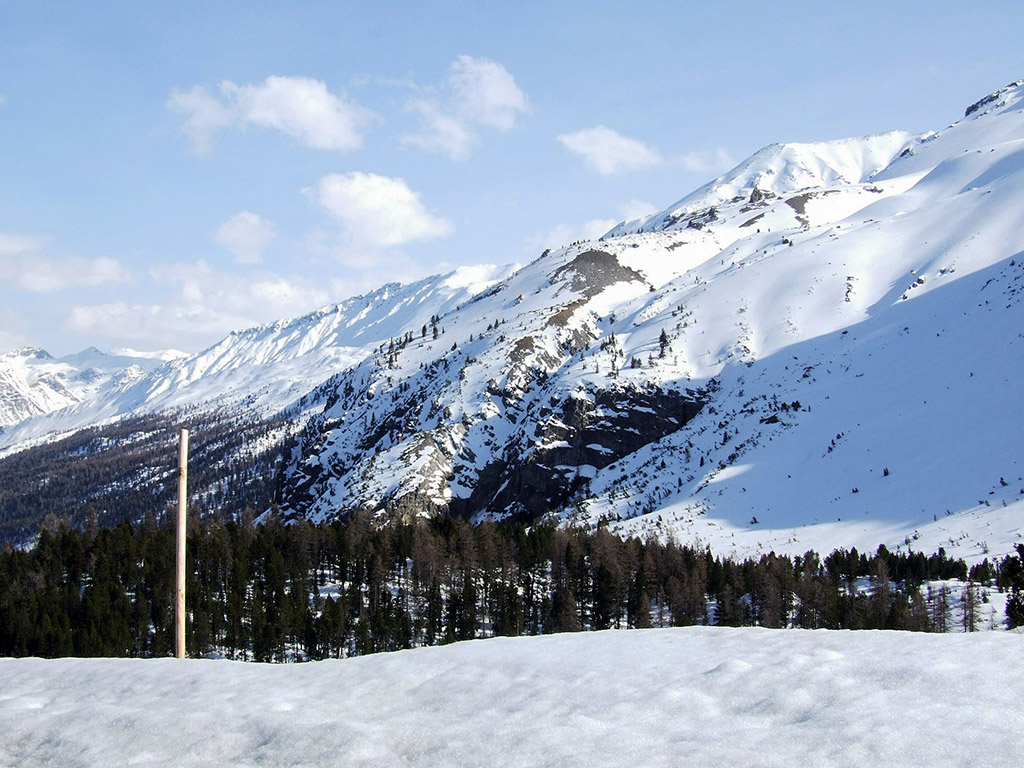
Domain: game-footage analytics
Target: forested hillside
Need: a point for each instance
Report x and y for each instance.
(126, 470)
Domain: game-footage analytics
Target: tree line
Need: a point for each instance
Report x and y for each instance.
(297, 591)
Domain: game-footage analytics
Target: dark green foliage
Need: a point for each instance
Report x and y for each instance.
(284, 592)
(1011, 578)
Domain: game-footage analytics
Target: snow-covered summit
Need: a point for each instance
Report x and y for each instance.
(33, 382)
(777, 170)
(27, 353)
(1006, 96)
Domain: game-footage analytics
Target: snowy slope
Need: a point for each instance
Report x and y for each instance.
(701, 695)
(853, 350)
(265, 368)
(898, 330)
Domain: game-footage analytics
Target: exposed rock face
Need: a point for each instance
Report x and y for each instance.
(572, 439)
(496, 421)
(992, 97)
(593, 271)
(547, 455)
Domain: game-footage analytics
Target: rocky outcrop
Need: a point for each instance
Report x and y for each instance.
(571, 440)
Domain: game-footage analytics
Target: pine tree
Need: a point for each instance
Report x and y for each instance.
(1012, 576)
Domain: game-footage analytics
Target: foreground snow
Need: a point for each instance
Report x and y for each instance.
(700, 696)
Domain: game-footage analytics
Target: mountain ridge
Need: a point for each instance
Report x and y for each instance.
(823, 355)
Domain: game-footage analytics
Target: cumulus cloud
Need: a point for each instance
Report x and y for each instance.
(478, 93)
(377, 211)
(19, 245)
(204, 115)
(13, 328)
(563, 234)
(9, 341)
(26, 266)
(300, 107)
(205, 304)
(246, 236)
(712, 161)
(41, 275)
(485, 93)
(609, 152)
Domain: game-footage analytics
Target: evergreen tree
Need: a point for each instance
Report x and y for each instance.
(1012, 578)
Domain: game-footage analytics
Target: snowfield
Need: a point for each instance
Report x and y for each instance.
(705, 696)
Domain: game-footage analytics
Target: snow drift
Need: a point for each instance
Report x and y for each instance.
(666, 697)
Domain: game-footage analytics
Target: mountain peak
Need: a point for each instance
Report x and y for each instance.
(1012, 89)
(30, 353)
(780, 169)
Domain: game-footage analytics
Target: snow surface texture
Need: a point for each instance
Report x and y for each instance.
(665, 697)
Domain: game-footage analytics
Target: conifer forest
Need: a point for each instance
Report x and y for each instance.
(295, 592)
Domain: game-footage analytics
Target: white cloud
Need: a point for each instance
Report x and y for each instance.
(478, 93)
(43, 275)
(206, 304)
(636, 209)
(300, 107)
(12, 330)
(485, 93)
(26, 266)
(20, 245)
(246, 236)
(205, 115)
(609, 152)
(714, 161)
(564, 234)
(377, 211)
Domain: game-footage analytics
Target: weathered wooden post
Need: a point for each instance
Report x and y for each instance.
(179, 572)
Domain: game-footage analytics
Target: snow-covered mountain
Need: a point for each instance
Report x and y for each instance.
(764, 364)
(778, 169)
(265, 368)
(33, 382)
(821, 347)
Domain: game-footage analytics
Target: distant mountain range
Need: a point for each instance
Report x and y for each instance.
(822, 347)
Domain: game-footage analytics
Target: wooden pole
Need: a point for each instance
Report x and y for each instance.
(179, 572)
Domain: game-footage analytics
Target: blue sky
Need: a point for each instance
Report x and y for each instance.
(172, 171)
